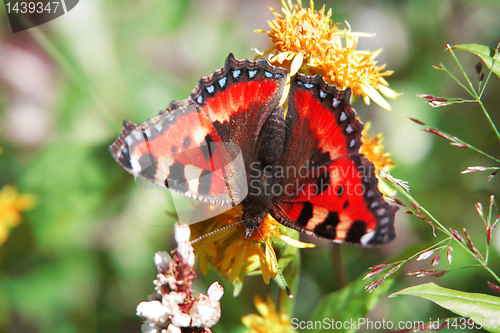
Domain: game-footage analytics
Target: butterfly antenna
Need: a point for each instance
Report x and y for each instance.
(215, 231)
(288, 291)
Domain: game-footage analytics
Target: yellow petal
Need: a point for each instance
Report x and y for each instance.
(264, 266)
(261, 306)
(236, 267)
(388, 92)
(296, 243)
(296, 63)
(286, 90)
(376, 97)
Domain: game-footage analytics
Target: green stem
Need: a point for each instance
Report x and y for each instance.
(339, 270)
(472, 91)
(456, 80)
(489, 119)
(460, 141)
(443, 229)
(486, 81)
(493, 60)
(488, 224)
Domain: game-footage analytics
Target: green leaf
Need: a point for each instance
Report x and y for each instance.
(485, 53)
(479, 307)
(350, 303)
(353, 302)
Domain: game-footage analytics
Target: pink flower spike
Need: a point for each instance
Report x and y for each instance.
(469, 240)
(474, 169)
(459, 145)
(496, 222)
(381, 265)
(399, 202)
(392, 270)
(436, 104)
(442, 325)
(438, 133)
(374, 284)
(428, 96)
(372, 273)
(448, 254)
(435, 260)
(492, 175)
(417, 121)
(479, 208)
(414, 273)
(488, 235)
(457, 235)
(431, 273)
(493, 287)
(414, 206)
(426, 254)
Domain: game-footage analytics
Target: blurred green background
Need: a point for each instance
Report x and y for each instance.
(81, 260)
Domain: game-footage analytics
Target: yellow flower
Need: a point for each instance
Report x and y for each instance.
(374, 151)
(11, 205)
(307, 41)
(269, 320)
(230, 252)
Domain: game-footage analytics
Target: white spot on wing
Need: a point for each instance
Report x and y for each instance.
(222, 82)
(199, 99)
(336, 102)
(137, 135)
(192, 175)
(349, 129)
(252, 73)
(308, 85)
(343, 116)
(136, 166)
(366, 238)
(236, 73)
(163, 169)
(322, 94)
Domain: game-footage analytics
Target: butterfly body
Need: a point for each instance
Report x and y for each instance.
(302, 166)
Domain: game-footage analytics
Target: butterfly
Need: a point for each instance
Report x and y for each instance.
(231, 143)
